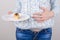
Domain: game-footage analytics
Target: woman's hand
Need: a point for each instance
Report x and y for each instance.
(45, 15)
(10, 12)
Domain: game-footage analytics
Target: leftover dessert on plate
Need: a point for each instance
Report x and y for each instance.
(17, 16)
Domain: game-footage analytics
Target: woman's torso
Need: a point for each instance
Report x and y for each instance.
(31, 6)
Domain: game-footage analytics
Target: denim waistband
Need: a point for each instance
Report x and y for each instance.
(19, 29)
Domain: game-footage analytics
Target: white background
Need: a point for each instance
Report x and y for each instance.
(7, 29)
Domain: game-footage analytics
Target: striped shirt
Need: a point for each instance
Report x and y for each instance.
(31, 6)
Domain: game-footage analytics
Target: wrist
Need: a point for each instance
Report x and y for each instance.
(51, 14)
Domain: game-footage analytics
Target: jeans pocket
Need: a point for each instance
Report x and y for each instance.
(48, 31)
(24, 36)
(45, 33)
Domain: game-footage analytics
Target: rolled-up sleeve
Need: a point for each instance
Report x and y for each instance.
(18, 6)
(55, 6)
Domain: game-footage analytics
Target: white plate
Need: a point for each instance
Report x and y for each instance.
(11, 18)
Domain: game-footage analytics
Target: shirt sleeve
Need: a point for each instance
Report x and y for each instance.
(18, 6)
(55, 6)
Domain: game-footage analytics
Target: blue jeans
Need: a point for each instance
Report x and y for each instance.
(44, 34)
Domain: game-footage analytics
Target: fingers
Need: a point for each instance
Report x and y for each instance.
(10, 12)
(39, 19)
(37, 13)
(37, 16)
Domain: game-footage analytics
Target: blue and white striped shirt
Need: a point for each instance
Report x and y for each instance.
(31, 6)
